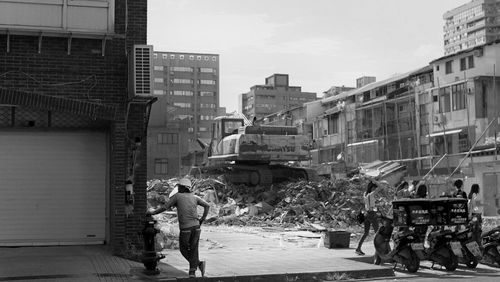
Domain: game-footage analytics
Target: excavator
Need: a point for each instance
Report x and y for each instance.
(251, 154)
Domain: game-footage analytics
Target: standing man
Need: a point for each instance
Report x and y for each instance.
(189, 224)
(459, 193)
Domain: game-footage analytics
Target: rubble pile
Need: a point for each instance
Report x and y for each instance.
(307, 205)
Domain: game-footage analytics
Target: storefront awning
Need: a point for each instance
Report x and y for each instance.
(446, 132)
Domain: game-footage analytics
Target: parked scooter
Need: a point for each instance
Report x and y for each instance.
(442, 249)
(491, 245)
(471, 252)
(405, 240)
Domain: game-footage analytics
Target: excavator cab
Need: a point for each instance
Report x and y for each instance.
(224, 126)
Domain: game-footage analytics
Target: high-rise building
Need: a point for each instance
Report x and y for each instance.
(187, 88)
(472, 24)
(274, 96)
(364, 80)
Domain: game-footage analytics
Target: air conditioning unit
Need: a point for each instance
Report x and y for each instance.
(478, 52)
(141, 71)
(438, 119)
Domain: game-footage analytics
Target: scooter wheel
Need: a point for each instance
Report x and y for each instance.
(491, 255)
(470, 260)
(413, 263)
(452, 262)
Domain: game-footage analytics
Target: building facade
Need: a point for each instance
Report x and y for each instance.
(276, 95)
(364, 80)
(473, 24)
(72, 134)
(187, 88)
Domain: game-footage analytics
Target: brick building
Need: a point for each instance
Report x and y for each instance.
(71, 132)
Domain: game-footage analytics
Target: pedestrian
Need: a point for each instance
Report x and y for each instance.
(475, 211)
(370, 212)
(459, 193)
(189, 223)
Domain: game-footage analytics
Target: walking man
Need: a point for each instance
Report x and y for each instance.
(370, 212)
(189, 224)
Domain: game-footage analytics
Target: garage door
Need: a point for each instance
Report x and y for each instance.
(52, 188)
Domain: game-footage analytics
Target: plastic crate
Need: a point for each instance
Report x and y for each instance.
(337, 239)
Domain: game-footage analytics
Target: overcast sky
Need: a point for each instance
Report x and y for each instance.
(319, 43)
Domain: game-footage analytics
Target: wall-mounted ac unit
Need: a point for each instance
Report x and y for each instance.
(141, 71)
(438, 118)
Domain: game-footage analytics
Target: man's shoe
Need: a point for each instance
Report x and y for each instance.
(360, 252)
(192, 273)
(201, 266)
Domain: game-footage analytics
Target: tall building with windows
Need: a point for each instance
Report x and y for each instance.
(187, 88)
(274, 96)
(472, 24)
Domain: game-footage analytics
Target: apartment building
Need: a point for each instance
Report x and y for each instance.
(472, 24)
(275, 95)
(364, 80)
(187, 88)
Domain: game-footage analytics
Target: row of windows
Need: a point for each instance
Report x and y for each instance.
(184, 93)
(452, 98)
(189, 105)
(206, 117)
(181, 57)
(465, 63)
(187, 81)
(185, 69)
(168, 138)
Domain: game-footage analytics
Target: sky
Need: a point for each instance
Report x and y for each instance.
(319, 43)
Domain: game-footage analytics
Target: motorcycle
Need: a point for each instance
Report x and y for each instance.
(491, 245)
(442, 249)
(470, 250)
(405, 243)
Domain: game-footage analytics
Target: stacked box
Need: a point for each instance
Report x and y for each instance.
(411, 212)
(449, 211)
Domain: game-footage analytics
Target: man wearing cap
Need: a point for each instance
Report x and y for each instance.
(189, 224)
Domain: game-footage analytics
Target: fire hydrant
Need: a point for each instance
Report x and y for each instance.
(150, 257)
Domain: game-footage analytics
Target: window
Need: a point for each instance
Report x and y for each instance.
(206, 81)
(207, 70)
(172, 56)
(183, 105)
(181, 57)
(471, 61)
(181, 69)
(207, 94)
(161, 166)
(198, 58)
(191, 57)
(209, 106)
(207, 58)
(333, 123)
(155, 56)
(158, 79)
(168, 138)
(463, 141)
(181, 81)
(202, 129)
(190, 129)
(164, 56)
(181, 93)
(158, 68)
(458, 93)
(206, 117)
(448, 67)
(437, 67)
(159, 92)
(182, 117)
(214, 58)
(463, 64)
(444, 100)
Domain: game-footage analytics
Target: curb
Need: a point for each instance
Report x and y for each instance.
(285, 277)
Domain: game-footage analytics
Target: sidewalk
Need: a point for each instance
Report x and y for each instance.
(246, 256)
(275, 256)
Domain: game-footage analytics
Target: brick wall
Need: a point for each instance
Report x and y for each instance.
(87, 75)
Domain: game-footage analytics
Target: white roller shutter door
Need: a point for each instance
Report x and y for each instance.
(52, 188)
